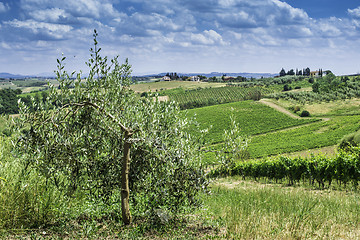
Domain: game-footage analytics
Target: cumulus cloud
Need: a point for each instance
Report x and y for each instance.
(53, 15)
(4, 7)
(355, 13)
(286, 14)
(207, 37)
(44, 30)
(145, 29)
(79, 8)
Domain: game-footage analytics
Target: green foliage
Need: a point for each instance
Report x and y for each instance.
(328, 83)
(253, 118)
(26, 199)
(315, 135)
(325, 89)
(305, 114)
(196, 98)
(349, 141)
(287, 87)
(76, 140)
(344, 168)
(29, 83)
(8, 101)
(235, 148)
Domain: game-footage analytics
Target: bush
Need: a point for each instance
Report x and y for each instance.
(349, 141)
(305, 114)
(287, 87)
(296, 109)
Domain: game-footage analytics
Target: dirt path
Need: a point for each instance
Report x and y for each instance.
(285, 111)
(279, 108)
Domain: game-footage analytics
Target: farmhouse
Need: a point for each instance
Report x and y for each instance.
(166, 78)
(195, 78)
(315, 74)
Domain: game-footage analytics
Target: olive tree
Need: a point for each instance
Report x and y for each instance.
(89, 131)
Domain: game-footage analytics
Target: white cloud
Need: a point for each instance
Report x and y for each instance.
(4, 7)
(53, 15)
(239, 19)
(210, 37)
(355, 13)
(150, 31)
(49, 30)
(79, 8)
(286, 14)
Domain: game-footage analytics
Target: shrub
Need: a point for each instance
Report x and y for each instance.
(287, 87)
(296, 109)
(349, 141)
(305, 114)
(144, 94)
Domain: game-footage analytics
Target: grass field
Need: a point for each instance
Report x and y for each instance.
(7, 85)
(316, 135)
(324, 109)
(250, 210)
(272, 132)
(165, 85)
(252, 117)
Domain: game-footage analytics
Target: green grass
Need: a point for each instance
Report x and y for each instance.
(252, 117)
(4, 85)
(30, 82)
(3, 122)
(211, 96)
(316, 135)
(166, 85)
(313, 136)
(248, 210)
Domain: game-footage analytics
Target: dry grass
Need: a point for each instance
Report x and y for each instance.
(329, 151)
(334, 107)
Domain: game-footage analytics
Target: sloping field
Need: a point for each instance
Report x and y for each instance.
(272, 132)
(316, 135)
(253, 118)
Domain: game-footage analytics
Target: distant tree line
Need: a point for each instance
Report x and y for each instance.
(173, 76)
(9, 100)
(225, 78)
(303, 72)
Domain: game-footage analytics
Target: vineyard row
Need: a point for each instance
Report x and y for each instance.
(213, 96)
(344, 168)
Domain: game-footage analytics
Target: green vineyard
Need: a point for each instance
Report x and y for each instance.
(200, 97)
(344, 168)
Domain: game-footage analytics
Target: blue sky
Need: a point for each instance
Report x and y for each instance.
(182, 35)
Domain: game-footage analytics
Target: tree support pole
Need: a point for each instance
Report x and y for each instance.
(125, 191)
